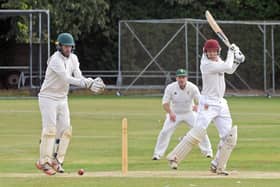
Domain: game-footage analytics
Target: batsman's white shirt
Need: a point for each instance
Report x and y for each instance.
(59, 75)
(213, 78)
(181, 101)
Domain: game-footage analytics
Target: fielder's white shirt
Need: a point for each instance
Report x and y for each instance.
(213, 78)
(59, 75)
(181, 101)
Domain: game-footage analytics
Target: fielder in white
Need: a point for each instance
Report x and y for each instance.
(62, 70)
(178, 102)
(212, 107)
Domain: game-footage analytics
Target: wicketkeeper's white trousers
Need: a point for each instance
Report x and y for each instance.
(55, 113)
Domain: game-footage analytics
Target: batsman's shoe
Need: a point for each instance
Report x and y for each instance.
(213, 168)
(46, 168)
(57, 166)
(173, 164)
(156, 157)
(222, 172)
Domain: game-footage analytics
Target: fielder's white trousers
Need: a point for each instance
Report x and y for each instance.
(55, 113)
(170, 126)
(216, 110)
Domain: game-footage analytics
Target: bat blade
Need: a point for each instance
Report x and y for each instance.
(216, 28)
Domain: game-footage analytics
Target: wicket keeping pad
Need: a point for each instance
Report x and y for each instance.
(63, 144)
(46, 145)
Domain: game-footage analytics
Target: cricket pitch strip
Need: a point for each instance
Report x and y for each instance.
(157, 174)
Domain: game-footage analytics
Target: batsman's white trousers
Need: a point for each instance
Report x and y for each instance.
(55, 113)
(170, 126)
(216, 110)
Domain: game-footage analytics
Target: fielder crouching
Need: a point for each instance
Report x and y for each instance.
(62, 70)
(179, 102)
(212, 107)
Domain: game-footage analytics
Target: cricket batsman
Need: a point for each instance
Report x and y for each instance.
(62, 70)
(179, 102)
(212, 107)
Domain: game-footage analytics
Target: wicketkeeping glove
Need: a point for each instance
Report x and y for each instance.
(86, 82)
(97, 85)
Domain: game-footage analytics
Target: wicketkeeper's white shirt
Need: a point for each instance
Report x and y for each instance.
(61, 72)
(213, 78)
(181, 101)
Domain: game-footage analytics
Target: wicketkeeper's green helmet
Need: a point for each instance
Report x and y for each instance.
(65, 39)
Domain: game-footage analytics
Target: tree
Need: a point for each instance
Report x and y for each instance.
(77, 17)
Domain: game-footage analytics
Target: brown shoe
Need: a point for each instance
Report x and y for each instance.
(46, 168)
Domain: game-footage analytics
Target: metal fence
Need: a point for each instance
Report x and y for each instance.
(150, 51)
(28, 61)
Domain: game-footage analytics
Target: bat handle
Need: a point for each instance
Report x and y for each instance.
(225, 40)
(227, 43)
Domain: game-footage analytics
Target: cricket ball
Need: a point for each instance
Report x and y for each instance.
(81, 171)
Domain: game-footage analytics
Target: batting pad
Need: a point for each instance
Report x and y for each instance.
(63, 144)
(193, 137)
(226, 149)
(47, 143)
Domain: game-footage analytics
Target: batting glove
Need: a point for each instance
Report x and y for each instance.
(239, 57)
(234, 48)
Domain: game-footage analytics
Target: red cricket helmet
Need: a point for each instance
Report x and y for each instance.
(211, 44)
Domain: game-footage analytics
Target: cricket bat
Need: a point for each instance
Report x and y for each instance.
(216, 28)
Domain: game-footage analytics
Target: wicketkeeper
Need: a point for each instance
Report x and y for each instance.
(62, 70)
(179, 102)
(212, 107)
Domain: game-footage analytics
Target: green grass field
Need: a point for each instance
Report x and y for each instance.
(96, 143)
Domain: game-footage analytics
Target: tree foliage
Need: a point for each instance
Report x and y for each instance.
(76, 17)
(94, 23)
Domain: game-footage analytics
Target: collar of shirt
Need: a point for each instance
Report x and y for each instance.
(178, 86)
(63, 57)
(205, 60)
